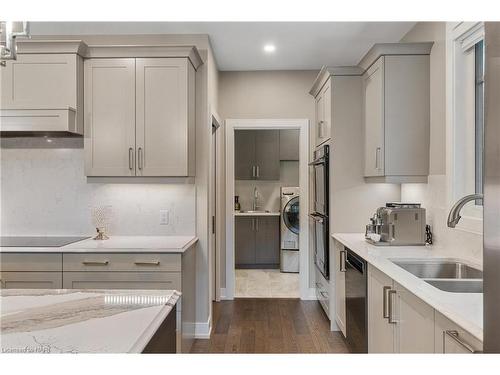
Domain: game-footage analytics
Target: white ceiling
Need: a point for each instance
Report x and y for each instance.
(239, 45)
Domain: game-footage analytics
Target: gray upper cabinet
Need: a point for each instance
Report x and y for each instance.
(257, 155)
(289, 144)
(397, 115)
(257, 242)
(140, 117)
(323, 125)
(267, 158)
(244, 155)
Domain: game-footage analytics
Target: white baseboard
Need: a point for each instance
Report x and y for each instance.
(311, 295)
(203, 329)
(223, 295)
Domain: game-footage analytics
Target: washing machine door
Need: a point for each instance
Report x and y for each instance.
(291, 215)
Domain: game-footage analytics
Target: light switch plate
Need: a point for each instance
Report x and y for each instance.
(164, 217)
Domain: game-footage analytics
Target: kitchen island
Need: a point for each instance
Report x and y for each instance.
(88, 321)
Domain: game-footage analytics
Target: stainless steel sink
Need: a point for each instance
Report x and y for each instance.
(447, 275)
(458, 286)
(439, 269)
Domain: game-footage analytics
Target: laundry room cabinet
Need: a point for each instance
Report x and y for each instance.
(140, 117)
(257, 242)
(257, 155)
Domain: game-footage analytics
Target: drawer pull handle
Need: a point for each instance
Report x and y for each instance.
(455, 337)
(95, 263)
(154, 263)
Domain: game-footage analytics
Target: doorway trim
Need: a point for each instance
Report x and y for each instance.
(272, 124)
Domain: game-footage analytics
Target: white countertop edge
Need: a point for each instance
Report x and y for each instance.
(257, 214)
(77, 248)
(418, 287)
(150, 331)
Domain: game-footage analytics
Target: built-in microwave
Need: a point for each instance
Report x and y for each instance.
(321, 242)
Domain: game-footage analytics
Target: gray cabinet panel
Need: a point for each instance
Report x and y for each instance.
(267, 159)
(245, 241)
(289, 144)
(31, 280)
(267, 241)
(122, 280)
(244, 154)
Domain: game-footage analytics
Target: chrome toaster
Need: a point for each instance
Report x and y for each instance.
(397, 224)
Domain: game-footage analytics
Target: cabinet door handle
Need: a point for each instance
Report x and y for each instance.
(342, 261)
(320, 129)
(253, 171)
(140, 158)
(152, 263)
(95, 263)
(257, 171)
(385, 312)
(455, 337)
(130, 158)
(377, 158)
(391, 307)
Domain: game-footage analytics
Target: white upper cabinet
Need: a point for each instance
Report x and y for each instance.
(374, 119)
(165, 119)
(110, 117)
(323, 114)
(42, 90)
(140, 114)
(396, 112)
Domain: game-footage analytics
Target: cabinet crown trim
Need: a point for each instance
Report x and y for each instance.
(37, 46)
(328, 71)
(123, 51)
(384, 49)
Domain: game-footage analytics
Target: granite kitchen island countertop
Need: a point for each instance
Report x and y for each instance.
(81, 321)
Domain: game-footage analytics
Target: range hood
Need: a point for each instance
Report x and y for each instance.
(42, 89)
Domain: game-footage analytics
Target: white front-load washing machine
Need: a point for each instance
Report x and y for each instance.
(289, 229)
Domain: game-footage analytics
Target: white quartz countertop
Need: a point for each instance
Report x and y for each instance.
(237, 213)
(81, 321)
(129, 244)
(465, 309)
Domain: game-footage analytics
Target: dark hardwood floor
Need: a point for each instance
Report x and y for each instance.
(270, 325)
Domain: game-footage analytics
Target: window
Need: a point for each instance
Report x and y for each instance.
(479, 119)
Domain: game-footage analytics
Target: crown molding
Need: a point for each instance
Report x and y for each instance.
(328, 71)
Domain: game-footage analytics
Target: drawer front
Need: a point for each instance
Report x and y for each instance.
(41, 262)
(122, 262)
(122, 280)
(31, 280)
(322, 292)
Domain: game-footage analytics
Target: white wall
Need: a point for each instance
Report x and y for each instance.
(433, 195)
(45, 192)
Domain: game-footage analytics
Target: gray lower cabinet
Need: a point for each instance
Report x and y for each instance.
(122, 280)
(257, 242)
(289, 144)
(256, 155)
(31, 280)
(245, 241)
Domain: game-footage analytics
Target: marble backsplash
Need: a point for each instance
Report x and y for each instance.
(44, 191)
(451, 242)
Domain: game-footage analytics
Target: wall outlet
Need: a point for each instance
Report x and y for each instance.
(164, 217)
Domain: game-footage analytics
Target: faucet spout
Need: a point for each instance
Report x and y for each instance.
(454, 215)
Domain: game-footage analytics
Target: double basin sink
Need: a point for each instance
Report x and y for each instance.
(447, 275)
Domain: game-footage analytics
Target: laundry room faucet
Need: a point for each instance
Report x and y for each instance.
(255, 199)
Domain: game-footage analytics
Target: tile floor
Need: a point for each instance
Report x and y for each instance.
(266, 284)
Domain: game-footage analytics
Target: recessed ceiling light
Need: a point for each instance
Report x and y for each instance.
(269, 48)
